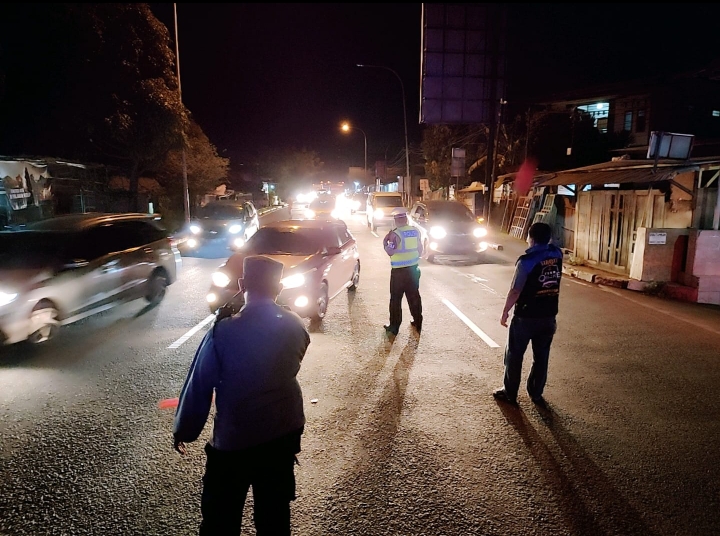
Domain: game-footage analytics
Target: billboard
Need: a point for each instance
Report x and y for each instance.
(463, 62)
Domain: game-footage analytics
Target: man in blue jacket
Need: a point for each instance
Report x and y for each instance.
(250, 363)
(534, 293)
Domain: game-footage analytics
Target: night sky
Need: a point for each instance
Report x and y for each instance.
(274, 75)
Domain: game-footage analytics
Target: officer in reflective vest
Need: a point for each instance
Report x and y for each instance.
(404, 247)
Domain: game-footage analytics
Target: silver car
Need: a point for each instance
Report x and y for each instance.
(62, 270)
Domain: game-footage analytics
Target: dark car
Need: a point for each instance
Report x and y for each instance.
(321, 259)
(230, 223)
(449, 229)
(322, 208)
(64, 269)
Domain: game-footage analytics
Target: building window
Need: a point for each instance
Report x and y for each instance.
(628, 121)
(640, 125)
(716, 113)
(599, 111)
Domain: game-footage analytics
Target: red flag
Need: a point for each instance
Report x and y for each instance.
(524, 177)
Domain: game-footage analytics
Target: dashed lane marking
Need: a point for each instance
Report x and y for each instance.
(469, 323)
(192, 332)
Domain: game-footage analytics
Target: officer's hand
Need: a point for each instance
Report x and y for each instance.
(504, 319)
(180, 447)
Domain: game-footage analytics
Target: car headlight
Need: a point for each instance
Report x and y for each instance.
(335, 214)
(293, 281)
(195, 229)
(379, 214)
(238, 242)
(220, 279)
(7, 297)
(309, 214)
(438, 232)
(191, 242)
(235, 229)
(479, 232)
(356, 205)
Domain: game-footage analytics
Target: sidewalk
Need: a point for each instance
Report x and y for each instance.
(670, 301)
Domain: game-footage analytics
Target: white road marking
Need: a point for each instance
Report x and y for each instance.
(478, 280)
(469, 323)
(192, 332)
(374, 234)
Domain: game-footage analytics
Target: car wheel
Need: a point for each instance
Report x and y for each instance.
(355, 281)
(431, 259)
(44, 322)
(322, 303)
(156, 287)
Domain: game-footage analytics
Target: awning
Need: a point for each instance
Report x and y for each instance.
(624, 172)
(474, 187)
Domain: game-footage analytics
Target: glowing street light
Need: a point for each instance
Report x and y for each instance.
(345, 127)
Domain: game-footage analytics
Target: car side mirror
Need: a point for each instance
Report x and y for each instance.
(332, 250)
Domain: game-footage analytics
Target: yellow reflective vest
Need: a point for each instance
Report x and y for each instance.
(407, 253)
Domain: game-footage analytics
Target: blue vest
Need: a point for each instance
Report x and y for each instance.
(540, 296)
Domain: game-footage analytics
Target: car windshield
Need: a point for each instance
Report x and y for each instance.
(388, 201)
(215, 211)
(287, 241)
(31, 249)
(451, 212)
(322, 203)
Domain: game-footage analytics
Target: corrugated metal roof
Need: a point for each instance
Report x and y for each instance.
(624, 171)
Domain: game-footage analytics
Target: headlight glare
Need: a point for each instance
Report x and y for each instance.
(335, 214)
(235, 229)
(195, 229)
(7, 297)
(309, 214)
(220, 279)
(479, 232)
(293, 281)
(379, 213)
(438, 232)
(238, 242)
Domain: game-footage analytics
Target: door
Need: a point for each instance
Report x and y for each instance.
(349, 254)
(94, 280)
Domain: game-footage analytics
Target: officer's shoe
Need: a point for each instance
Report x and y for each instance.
(502, 396)
(417, 326)
(391, 330)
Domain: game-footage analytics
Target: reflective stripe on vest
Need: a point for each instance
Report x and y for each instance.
(407, 253)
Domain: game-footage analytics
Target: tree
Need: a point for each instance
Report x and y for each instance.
(97, 83)
(290, 168)
(205, 168)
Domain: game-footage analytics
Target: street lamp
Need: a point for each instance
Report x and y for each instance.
(402, 87)
(345, 127)
(186, 193)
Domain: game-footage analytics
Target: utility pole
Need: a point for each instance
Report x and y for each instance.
(186, 193)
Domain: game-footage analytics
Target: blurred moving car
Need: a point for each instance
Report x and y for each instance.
(321, 260)
(379, 208)
(64, 269)
(228, 222)
(449, 229)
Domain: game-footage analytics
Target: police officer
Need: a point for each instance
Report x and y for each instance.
(250, 362)
(404, 247)
(534, 293)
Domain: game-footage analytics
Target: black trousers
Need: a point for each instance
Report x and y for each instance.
(405, 282)
(269, 469)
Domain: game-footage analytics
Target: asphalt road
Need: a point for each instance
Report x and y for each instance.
(403, 437)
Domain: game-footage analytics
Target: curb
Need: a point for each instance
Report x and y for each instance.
(591, 277)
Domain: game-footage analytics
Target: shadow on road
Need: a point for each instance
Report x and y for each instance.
(591, 503)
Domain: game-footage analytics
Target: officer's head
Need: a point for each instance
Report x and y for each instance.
(261, 276)
(539, 234)
(400, 216)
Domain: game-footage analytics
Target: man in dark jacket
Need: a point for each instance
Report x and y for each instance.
(534, 293)
(250, 362)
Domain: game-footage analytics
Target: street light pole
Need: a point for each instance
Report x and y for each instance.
(345, 128)
(402, 87)
(186, 193)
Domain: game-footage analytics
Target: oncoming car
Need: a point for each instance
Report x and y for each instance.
(379, 209)
(449, 229)
(65, 269)
(320, 260)
(231, 223)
